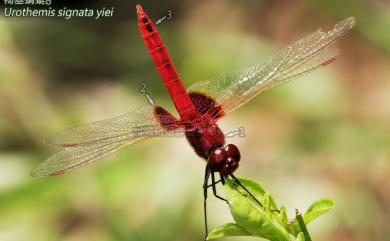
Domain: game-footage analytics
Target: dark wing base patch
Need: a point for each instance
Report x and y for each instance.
(166, 119)
(205, 104)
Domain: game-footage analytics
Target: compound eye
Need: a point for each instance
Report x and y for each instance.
(232, 151)
(217, 159)
(229, 167)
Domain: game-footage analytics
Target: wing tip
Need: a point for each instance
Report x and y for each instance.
(347, 23)
(351, 20)
(37, 173)
(43, 170)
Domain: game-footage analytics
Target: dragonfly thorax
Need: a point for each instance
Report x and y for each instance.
(208, 142)
(205, 136)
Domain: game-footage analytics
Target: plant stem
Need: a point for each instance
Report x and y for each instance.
(302, 225)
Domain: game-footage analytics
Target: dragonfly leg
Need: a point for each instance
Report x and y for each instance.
(205, 187)
(222, 179)
(246, 190)
(250, 194)
(210, 185)
(213, 183)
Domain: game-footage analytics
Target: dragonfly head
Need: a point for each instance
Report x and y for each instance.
(224, 159)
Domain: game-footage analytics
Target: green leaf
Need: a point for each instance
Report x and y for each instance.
(228, 229)
(300, 237)
(247, 213)
(291, 228)
(262, 219)
(256, 189)
(317, 209)
(283, 215)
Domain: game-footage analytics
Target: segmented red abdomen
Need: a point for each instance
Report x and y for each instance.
(164, 64)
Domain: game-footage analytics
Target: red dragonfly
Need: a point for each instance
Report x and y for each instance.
(200, 108)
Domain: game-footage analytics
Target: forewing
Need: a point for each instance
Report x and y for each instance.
(301, 57)
(87, 143)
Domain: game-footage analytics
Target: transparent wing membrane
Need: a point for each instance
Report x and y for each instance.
(322, 59)
(139, 122)
(90, 142)
(74, 157)
(299, 58)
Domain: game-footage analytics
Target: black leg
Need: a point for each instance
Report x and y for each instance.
(213, 183)
(222, 179)
(210, 185)
(275, 211)
(246, 190)
(206, 179)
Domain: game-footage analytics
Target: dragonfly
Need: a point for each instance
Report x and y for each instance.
(200, 107)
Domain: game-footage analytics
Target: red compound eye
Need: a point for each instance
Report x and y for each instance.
(224, 159)
(232, 151)
(229, 166)
(217, 158)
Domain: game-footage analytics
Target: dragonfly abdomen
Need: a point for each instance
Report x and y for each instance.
(165, 67)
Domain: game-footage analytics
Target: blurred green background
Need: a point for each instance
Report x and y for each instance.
(324, 135)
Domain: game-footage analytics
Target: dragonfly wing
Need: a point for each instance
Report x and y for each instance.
(87, 143)
(74, 157)
(301, 57)
(143, 122)
(321, 59)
